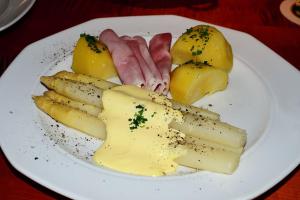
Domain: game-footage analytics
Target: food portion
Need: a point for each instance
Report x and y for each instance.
(211, 130)
(152, 76)
(136, 63)
(91, 109)
(159, 47)
(70, 116)
(144, 132)
(204, 59)
(124, 59)
(190, 82)
(85, 93)
(139, 140)
(149, 65)
(203, 44)
(78, 80)
(91, 57)
(210, 144)
(204, 156)
(99, 83)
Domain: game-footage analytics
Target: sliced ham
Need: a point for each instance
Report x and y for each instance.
(151, 74)
(159, 47)
(124, 59)
(139, 65)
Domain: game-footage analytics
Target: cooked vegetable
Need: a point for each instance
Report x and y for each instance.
(191, 82)
(211, 159)
(212, 130)
(194, 142)
(212, 145)
(203, 44)
(194, 110)
(201, 154)
(102, 84)
(91, 57)
(201, 125)
(90, 109)
(71, 117)
(78, 91)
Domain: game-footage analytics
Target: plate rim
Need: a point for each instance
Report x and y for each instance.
(12, 21)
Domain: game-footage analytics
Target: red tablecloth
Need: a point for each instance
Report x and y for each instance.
(260, 18)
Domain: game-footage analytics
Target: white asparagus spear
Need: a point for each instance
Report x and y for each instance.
(212, 130)
(198, 126)
(90, 109)
(82, 92)
(71, 117)
(201, 154)
(103, 84)
(210, 159)
(100, 83)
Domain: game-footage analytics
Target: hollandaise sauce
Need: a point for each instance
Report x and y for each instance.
(138, 139)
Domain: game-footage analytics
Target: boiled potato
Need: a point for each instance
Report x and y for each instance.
(190, 82)
(204, 44)
(91, 57)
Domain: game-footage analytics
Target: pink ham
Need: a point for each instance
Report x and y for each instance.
(151, 74)
(124, 59)
(160, 51)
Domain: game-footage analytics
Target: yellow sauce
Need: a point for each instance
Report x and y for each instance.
(139, 140)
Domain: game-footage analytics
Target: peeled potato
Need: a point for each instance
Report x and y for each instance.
(190, 82)
(204, 44)
(92, 58)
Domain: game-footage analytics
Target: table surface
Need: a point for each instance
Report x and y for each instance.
(260, 18)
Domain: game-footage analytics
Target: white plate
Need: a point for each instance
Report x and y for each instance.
(13, 10)
(261, 97)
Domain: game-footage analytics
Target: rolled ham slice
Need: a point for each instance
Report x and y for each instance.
(124, 59)
(151, 74)
(159, 47)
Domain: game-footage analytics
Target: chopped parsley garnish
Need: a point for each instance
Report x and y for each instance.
(200, 34)
(203, 33)
(138, 119)
(196, 53)
(188, 31)
(197, 63)
(92, 42)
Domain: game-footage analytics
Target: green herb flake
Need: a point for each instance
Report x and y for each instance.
(196, 63)
(138, 119)
(92, 42)
(197, 52)
(188, 31)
